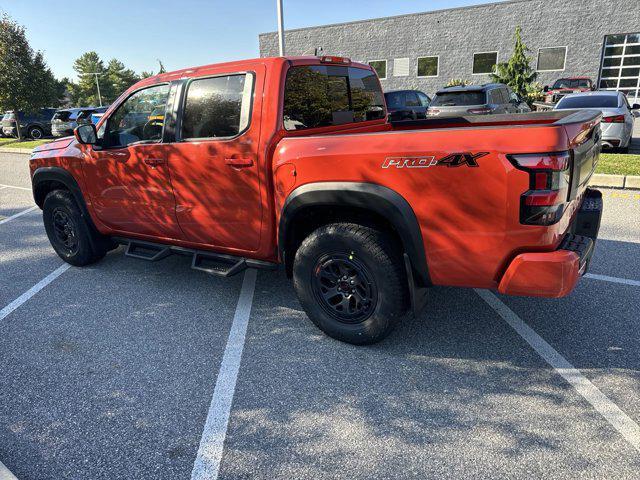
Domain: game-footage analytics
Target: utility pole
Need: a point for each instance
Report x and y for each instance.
(280, 28)
(97, 84)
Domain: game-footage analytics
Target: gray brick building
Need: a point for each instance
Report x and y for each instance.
(599, 39)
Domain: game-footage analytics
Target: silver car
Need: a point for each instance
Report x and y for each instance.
(617, 116)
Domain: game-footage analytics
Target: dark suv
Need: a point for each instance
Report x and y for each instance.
(407, 104)
(35, 125)
(476, 100)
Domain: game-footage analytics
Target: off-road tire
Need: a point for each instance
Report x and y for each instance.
(88, 247)
(372, 253)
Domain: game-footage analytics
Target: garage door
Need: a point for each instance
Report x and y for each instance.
(620, 69)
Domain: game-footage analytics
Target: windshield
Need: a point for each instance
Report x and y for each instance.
(454, 99)
(588, 101)
(567, 83)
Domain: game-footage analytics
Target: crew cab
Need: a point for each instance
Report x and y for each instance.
(292, 161)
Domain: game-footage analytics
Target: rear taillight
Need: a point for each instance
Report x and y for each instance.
(549, 177)
(613, 119)
(479, 111)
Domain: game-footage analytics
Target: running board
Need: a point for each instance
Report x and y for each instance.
(212, 263)
(146, 251)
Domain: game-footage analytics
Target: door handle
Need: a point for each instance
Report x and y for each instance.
(239, 162)
(154, 162)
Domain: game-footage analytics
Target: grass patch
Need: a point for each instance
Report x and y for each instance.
(619, 164)
(4, 141)
(25, 143)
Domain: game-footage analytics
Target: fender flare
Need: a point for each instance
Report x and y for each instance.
(366, 196)
(42, 175)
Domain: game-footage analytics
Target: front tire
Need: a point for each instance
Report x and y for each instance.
(351, 282)
(72, 238)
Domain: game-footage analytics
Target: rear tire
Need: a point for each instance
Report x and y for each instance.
(36, 133)
(351, 282)
(71, 236)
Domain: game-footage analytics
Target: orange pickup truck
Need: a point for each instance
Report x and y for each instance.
(293, 161)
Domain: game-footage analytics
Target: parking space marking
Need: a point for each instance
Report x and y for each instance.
(629, 429)
(209, 455)
(33, 290)
(606, 278)
(19, 214)
(5, 474)
(13, 186)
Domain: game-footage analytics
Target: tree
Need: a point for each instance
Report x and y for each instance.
(119, 77)
(85, 92)
(26, 83)
(517, 71)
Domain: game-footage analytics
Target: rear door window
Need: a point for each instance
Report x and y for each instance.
(412, 100)
(322, 96)
(217, 107)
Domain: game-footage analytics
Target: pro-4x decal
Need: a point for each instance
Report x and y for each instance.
(451, 160)
(459, 159)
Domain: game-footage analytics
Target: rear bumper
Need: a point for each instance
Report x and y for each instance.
(555, 274)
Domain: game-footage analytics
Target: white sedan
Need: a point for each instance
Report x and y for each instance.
(617, 116)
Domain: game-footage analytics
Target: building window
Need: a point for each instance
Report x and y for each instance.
(551, 59)
(484, 62)
(380, 66)
(428, 66)
(620, 69)
(400, 67)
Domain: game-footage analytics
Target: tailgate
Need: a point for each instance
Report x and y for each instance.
(583, 131)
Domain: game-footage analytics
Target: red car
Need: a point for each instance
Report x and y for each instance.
(293, 162)
(565, 86)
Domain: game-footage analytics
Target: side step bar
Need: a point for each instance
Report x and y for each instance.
(213, 263)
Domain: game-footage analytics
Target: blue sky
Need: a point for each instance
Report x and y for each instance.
(181, 33)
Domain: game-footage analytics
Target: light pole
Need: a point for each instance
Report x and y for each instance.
(280, 28)
(97, 84)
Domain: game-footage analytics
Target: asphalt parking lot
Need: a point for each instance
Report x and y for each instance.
(134, 370)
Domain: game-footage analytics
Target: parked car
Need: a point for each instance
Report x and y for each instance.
(86, 115)
(566, 86)
(251, 173)
(5, 116)
(475, 100)
(407, 104)
(35, 125)
(64, 122)
(617, 115)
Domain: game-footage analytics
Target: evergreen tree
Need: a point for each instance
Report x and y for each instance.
(517, 71)
(119, 78)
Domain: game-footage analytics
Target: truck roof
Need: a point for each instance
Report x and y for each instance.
(243, 64)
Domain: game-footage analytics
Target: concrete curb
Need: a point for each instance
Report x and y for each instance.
(615, 181)
(15, 150)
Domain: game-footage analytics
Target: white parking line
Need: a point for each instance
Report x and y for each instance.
(207, 462)
(13, 186)
(19, 214)
(629, 429)
(606, 278)
(5, 474)
(33, 290)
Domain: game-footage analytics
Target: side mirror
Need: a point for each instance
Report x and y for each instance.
(546, 88)
(635, 106)
(86, 134)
